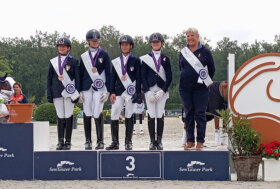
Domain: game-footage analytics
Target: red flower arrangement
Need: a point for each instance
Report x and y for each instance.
(271, 150)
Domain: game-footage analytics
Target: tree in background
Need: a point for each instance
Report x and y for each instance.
(27, 59)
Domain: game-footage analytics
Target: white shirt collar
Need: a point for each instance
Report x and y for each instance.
(62, 58)
(156, 54)
(93, 49)
(125, 58)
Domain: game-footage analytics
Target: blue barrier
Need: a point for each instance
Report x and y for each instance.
(196, 165)
(16, 151)
(18, 161)
(129, 165)
(65, 165)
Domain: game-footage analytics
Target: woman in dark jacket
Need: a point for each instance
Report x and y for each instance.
(197, 70)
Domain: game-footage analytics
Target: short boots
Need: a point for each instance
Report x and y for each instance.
(99, 123)
(160, 126)
(68, 133)
(151, 127)
(87, 128)
(60, 133)
(128, 133)
(115, 135)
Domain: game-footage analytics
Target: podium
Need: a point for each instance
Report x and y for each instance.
(196, 165)
(16, 151)
(130, 165)
(65, 165)
(24, 155)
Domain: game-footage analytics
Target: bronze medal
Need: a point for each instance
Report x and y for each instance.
(123, 78)
(60, 78)
(94, 69)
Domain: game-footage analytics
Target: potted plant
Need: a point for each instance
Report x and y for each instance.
(244, 144)
(271, 163)
(107, 116)
(75, 116)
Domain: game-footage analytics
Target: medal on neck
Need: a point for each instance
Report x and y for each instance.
(93, 60)
(157, 63)
(60, 78)
(61, 66)
(124, 68)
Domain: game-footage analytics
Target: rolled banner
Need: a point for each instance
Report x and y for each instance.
(98, 83)
(131, 89)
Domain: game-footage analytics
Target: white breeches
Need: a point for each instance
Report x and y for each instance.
(64, 107)
(118, 106)
(156, 109)
(92, 105)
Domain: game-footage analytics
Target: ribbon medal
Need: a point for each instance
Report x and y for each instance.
(157, 63)
(131, 90)
(70, 88)
(123, 78)
(94, 69)
(124, 69)
(203, 74)
(61, 66)
(98, 83)
(93, 60)
(60, 78)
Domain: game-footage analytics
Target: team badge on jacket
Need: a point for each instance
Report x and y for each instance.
(100, 60)
(164, 59)
(67, 67)
(132, 68)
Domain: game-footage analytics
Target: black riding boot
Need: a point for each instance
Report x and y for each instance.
(115, 135)
(160, 126)
(128, 133)
(99, 123)
(68, 133)
(151, 127)
(60, 133)
(87, 128)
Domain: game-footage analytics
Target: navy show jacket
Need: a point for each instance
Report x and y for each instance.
(150, 77)
(54, 86)
(188, 76)
(103, 63)
(133, 70)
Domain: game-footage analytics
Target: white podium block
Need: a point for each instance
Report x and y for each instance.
(271, 169)
(41, 135)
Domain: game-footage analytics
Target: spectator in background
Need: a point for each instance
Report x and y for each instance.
(18, 96)
(139, 110)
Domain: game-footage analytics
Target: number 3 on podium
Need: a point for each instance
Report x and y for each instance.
(131, 160)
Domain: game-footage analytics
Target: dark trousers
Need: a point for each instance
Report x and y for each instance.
(195, 104)
(140, 118)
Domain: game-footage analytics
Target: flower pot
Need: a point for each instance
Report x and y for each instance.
(20, 113)
(247, 167)
(271, 169)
